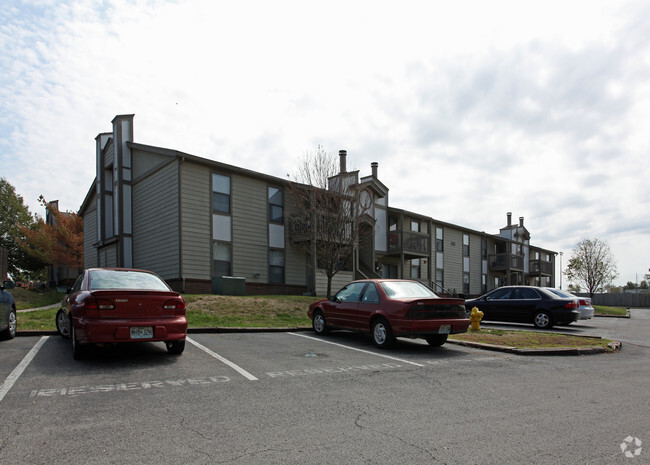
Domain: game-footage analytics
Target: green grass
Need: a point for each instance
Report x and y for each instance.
(602, 310)
(28, 298)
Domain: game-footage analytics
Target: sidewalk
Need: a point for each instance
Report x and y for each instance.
(48, 307)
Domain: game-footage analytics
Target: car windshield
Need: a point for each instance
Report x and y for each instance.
(406, 289)
(125, 279)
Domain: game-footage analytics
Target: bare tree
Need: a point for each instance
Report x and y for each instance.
(328, 218)
(592, 264)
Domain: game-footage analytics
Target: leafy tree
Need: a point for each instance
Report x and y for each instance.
(328, 215)
(14, 218)
(57, 241)
(592, 264)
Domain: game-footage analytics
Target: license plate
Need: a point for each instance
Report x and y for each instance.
(141, 332)
(444, 329)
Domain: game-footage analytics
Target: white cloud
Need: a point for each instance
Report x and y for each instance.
(471, 108)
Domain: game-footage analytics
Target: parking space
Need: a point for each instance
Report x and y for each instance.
(293, 397)
(47, 369)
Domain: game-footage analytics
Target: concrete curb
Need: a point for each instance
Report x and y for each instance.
(614, 346)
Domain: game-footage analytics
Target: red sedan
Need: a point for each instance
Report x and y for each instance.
(111, 305)
(387, 308)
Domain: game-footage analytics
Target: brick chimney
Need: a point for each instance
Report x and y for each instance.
(343, 154)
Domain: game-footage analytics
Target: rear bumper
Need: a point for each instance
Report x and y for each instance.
(90, 330)
(586, 313)
(428, 327)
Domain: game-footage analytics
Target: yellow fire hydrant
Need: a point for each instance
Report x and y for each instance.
(475, 319)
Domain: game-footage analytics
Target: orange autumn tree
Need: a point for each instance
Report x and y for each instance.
(57, 240)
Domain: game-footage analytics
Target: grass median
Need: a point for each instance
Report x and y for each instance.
(530, 339)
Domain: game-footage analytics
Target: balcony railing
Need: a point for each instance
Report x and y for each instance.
(408, 242)
(506, 261)
(541, 267)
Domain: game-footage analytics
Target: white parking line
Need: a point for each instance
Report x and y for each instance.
(358, 350)
(235, 367)
(14, 375)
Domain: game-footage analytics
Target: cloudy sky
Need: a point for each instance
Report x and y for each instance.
(472, 109)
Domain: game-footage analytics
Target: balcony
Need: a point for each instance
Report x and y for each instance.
(506, 261)
(408, 242)
(541, 268)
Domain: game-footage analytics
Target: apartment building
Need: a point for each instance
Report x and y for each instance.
(195, 221)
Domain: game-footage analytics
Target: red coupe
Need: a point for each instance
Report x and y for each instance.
(111, 305)
(387, 308)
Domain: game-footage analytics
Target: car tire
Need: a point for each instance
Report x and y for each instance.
(10, 332)
(318, 323)
(543, 320)
(436, 340)
(78, 350)
(382, 333)
(63, 324)
(175, 347)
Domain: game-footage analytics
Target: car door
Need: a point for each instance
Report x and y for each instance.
(346, 302)
(368, 305)
(527, 305)
(497, 305)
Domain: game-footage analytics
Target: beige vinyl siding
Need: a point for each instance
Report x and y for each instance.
(295, 266)
(249, 228)
(196, 221)
(339, 280)
(453, 245)
(90, 237)
(108, 157)
(108, 256)
(156, 232)
(474, 264)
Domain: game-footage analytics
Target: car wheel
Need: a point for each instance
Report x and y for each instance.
(175, 347)
(318, 323)
(78, 350)
(63, 324)
(436, 340)
(382, 334)
(543, 320)
(10, 332)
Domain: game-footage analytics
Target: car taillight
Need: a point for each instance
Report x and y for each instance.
(584, 302)
(98, 304)
(573, 304)
(174, 304)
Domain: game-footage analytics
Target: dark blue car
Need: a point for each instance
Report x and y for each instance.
(526, 304)
(7, 312)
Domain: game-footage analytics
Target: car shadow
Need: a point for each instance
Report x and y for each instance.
(133, 355)
(403, 346)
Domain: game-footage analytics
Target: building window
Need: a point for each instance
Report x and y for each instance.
(439, 240)
(465, 245)
(466, 283)
(276, 205)
(392, 223)
(484, 248)
(220, 193)
(276, 266)
(221, 259)
(415, 226)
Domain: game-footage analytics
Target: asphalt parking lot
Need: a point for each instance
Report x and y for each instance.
(292, 397)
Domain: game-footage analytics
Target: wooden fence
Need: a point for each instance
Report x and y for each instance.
(621, 300)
